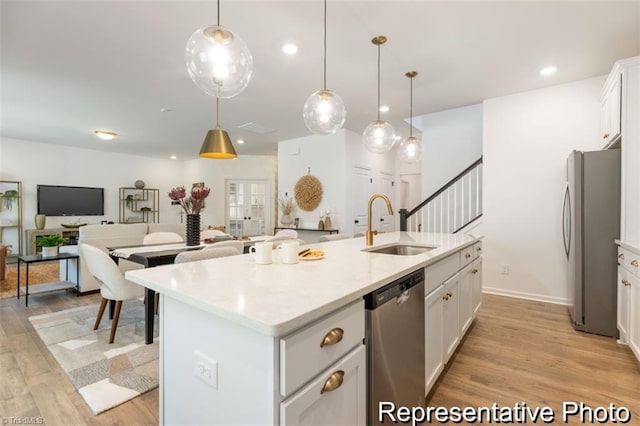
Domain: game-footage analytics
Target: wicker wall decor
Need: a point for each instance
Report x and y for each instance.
(308, 193)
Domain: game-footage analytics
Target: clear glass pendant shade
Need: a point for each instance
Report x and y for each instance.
(219, 62)
(324, 112)
(410, 150)
(378, 137)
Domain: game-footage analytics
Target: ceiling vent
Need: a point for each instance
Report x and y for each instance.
(256, 128)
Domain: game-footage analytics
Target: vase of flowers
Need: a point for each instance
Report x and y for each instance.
(287, 206)
(191, 205)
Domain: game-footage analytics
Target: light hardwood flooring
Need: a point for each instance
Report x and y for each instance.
(516, 351)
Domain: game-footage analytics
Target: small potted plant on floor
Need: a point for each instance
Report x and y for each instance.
(49, 244)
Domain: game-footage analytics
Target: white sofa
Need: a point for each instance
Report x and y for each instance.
(103, 236)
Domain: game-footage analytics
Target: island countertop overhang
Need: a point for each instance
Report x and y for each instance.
(279, 298)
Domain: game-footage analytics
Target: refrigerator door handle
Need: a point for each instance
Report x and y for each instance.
(566, 217)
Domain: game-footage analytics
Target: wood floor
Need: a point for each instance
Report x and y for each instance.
(517, 351)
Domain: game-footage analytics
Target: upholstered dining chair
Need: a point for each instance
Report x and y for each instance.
(238, 245)
(279, 240)
(113, 285)
(208, 253)
(291, 233)
(333, 237)
(162, 237)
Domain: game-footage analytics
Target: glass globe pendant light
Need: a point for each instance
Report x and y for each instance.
(410, 149)
(379, 135)
(218, 60)
(324, 112)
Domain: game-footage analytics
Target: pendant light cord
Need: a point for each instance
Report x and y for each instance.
(325, 44)
(218, 12)
(217, 111)
(411, 108)
(378, 82)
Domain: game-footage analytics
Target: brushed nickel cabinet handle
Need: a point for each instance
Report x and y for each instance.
(621, 256)
(474, 271)
(334, 336)
(634, 262)
(333, 382)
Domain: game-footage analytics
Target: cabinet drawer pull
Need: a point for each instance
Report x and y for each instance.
(621, 256)
(445, 297)
(474, 271)
(606, 135)
(634, 262)
(450, 295)
(332, 337)
(467, 255)
(333, 382)
(479, 248)
(626, 283)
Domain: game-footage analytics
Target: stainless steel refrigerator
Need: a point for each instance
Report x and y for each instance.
(590, 224)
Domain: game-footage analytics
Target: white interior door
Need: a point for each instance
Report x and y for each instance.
(362, 191)
(383, 218)
(248, 207)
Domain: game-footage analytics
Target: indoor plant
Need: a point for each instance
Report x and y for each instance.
(287, 206)
(50, 243)
(191, 206)
(8, 198)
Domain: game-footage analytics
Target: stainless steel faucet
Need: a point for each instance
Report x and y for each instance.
(369, 235)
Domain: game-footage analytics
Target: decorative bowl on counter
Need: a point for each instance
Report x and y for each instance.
(73, 225)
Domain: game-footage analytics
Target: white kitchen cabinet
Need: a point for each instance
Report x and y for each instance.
(626, 73)
(451, 329)
(610, 111)
(465, 301)
(433, 327)
(629, 297)
(476, 296)
(623, 305)
(337, 396)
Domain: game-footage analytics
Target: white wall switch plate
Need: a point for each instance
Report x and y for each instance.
(205, 368)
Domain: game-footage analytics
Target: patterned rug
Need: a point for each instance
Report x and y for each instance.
(106, 375)
(39, 273)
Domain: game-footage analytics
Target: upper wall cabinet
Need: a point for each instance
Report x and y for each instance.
(610, 110)
(626, 74)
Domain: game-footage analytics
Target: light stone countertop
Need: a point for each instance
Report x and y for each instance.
(276, 299)
(633, 246)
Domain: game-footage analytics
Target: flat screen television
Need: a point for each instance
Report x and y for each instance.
(70, 200)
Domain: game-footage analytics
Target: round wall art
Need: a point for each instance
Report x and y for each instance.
(308, 193)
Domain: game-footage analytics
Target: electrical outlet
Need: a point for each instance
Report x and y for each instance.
(505, 269)
(205, 368)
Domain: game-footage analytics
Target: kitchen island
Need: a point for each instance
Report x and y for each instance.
(241, 343)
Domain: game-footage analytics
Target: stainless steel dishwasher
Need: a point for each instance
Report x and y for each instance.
(395, 344)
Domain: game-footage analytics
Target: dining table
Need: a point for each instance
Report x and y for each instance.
(154, 255)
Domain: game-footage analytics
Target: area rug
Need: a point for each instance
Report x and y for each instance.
(106, 375)
(39, 273)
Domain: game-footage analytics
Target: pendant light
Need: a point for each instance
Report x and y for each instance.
(218, 60)
(324, 112)
(410, 150)
(379, 135)
(217, 144)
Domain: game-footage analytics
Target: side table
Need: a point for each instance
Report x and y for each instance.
(52, 286)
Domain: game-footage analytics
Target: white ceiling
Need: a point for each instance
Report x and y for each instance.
(68, 68)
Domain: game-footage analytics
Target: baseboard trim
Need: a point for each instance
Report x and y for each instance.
(527, 296)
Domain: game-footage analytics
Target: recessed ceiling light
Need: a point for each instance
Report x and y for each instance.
(384, 108)
(173, 157)
(240, 141)
(548, 70)
(105, 134)
(165, 109)
(289, 48)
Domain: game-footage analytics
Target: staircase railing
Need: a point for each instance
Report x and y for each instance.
(451, 208)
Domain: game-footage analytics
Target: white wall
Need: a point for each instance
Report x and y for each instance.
(451, 141)
(214, 173)
(36, 163)
(527, 138)
(324, 156)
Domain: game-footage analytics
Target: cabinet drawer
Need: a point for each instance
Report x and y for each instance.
(343, 401)
(629, 260)
(477, 249)
(466, 256)
(436, 274)
(308, 351)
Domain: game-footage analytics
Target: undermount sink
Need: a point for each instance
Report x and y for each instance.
(400, 249)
